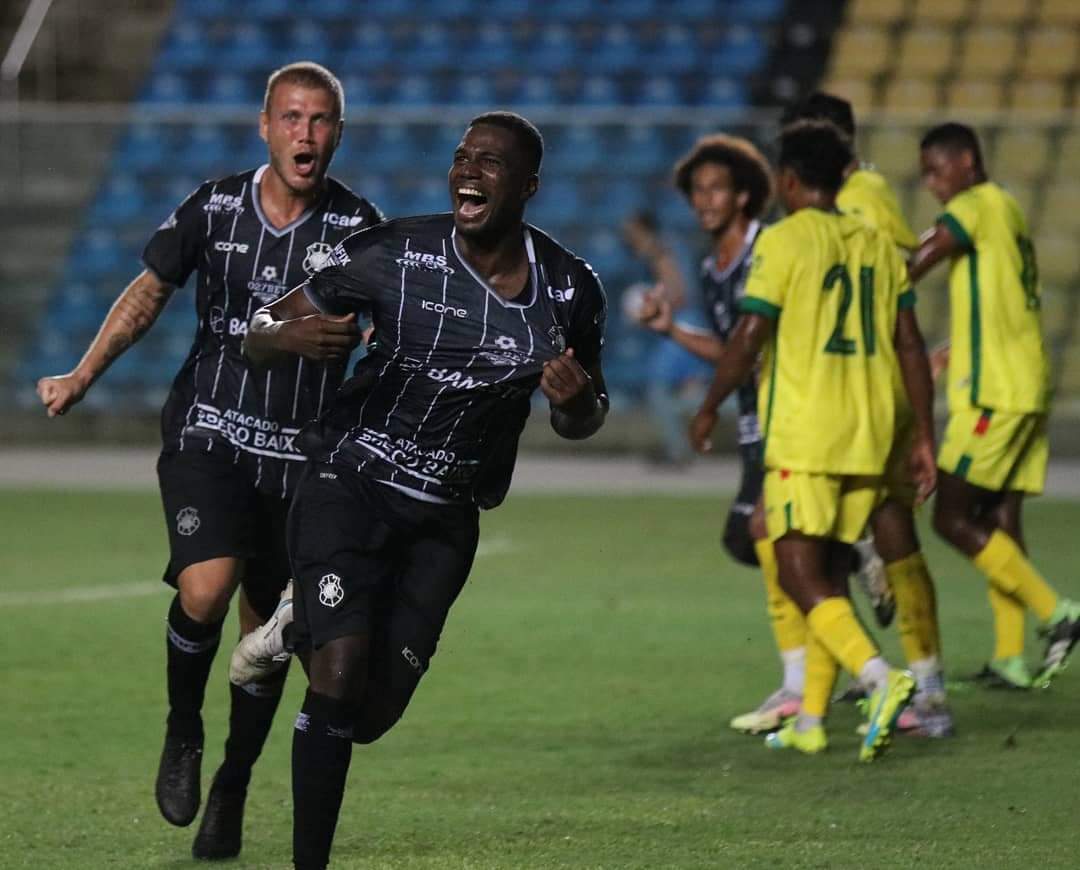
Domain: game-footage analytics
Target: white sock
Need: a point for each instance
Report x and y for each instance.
(875, 673)
(928, 676)
(804, 722)
(794, 670)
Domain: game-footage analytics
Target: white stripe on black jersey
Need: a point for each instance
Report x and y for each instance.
(438, 405)
(217, 402)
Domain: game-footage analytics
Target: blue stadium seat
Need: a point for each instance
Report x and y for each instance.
(120, 200)
(693, 10)
(360, 90)
(308, 40)
(472, 90)
(567, 10)
(723, 93)
(553, 49)
(635, 10)
(368, 47)
(599, 91)
(429, 48)
(414, 90)
(578, 148)
(513, 10)
(265, 9)
(489, 48)
(232, 89)
(94, 254)
(640, 148)
(756, 12)
(454, 10)
(393, 146)
(615, 200)
(146, 146)
(741, 52)
(536, 90)
(247, 47)
(674, 50)
(188, 46)
(615, 51)
(658, 91)
(557, 201)
(202, 9)
(167, 87)
(203, 148)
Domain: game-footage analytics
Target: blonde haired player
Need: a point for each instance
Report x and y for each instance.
(828, 301)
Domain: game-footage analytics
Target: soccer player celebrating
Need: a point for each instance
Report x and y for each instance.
(729, 184)
(229, 461)
(995, 448)
(828, 301)
(904, 583)
(472, 311)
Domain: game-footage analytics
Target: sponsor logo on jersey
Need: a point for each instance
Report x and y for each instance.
(338, 257)
(319, 256)
(420, 260)
(413, 660)
(224, 203)
(231, 247)
(455, 379)
(440, 308)
(330, 591)
(269, 273)
(249, 432)
(561, 294)
(342, 220)
(187, 521)
(506, 353)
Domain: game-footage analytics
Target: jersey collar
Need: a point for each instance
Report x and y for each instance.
(723, 274)
(269, 227)
(533, 282)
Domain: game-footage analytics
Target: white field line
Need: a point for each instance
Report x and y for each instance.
(116, 591)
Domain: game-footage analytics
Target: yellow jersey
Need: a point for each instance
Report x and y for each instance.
(834, 286)
(998, 359)
(867, 194)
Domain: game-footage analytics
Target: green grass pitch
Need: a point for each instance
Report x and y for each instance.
(575, 716)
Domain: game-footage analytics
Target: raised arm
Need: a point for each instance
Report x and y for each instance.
(733, 367)
(656, 314)
(915, 370)
(133, 313)
(293, 325)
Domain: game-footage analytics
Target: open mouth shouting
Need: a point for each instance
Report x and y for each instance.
(471, 203)
(304, 163)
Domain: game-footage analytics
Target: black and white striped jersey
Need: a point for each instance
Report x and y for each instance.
(217, 401)
(721, 291)
(437, 406)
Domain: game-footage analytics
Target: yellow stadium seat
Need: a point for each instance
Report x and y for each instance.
(1056, 312)
(924, 51)
(1038, 95)
(974, 95)
(858, 92)
(1068, 376)
(988, 51)
(1050, 51)
(1068, 165)
(1003, 11)
(1021, 155)
(940, 11)
(876, 11)
(860, 51)
(894, 151)
(1061, 208)
(1059, 12)
(1058, 257)
(910, 94)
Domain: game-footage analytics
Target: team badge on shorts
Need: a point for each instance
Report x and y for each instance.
(330, 591)
(187, 521)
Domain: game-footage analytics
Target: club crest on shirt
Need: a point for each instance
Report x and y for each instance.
(558, 338)
(187, 521)
(319, 256)
(330, 591)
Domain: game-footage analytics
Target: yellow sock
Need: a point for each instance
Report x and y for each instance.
(821, 672)
(1008, 623)
(916, 607)
(788, 622)
(1009, 570)
(834, 623)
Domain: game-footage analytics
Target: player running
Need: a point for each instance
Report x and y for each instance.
(903, 583)
(995, 448)
(473, 311)
(829, 409)
(229, 461)
(729, 185)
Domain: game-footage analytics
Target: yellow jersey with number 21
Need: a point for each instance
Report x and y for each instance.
(834, 285)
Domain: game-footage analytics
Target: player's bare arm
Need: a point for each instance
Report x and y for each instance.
(578, 397)
(133, 313)
(293, 325)
(734, 366)
(656, 314)
(935, 245)
(915, 369)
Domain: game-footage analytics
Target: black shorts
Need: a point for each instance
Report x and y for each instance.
(361, 549)
(212, 510)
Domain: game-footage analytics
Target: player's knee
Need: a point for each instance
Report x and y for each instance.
(205, 602)
(371, 725)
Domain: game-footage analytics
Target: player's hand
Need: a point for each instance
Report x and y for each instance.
(701, 428)
(923, 467)
(321, 337)
(655, 312)
(565, 383)
(60, 393)
(939, 361)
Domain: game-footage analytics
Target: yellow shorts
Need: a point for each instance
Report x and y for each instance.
(898, 483)
(996, 450)
(831, 506)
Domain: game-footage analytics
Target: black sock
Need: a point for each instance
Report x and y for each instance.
(322, 749)
(250, 716)
(190, 648)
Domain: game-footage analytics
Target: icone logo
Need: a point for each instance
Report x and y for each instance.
(228, 247)
(439, 308)
(342, 220)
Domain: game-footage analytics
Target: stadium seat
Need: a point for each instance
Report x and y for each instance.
(166, 87)
(1050, 52)
(940, 11)
(246, 48)
(1068, 382)
(894, 151)
(640, 10)
(615, 51)
(186, 47)
(578, 148)
(144, 147)
(429, 48)
(1058, 257)
(1003, 11)
(414, 90)
(1020, 154)
(988, 51)
(756, 12)
(910, 94)
(723, 93)
(974, 95)
(536, 90)
(673, 51)
(1057, 313)
(924, 51)
(743, 52)
(1068, 149)
(232, 89)
(1061, 207)
(368, 47)
(1059, 12)
(202, 148)
(202, 9)
(862, 51)
(860, 92)
(883, 12)
(1038, 95)
(599, 91)
(554, 49)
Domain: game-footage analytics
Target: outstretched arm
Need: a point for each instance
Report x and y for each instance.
(293, 325)
(578, 397)
(915, 369)
(734, 366)
(656, 314)
(133, 313)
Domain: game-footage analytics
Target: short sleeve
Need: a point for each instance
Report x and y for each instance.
(588, 317)
(961, 219)
(173, 251)
(770, 268)
(346, 281)
(901, 283)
